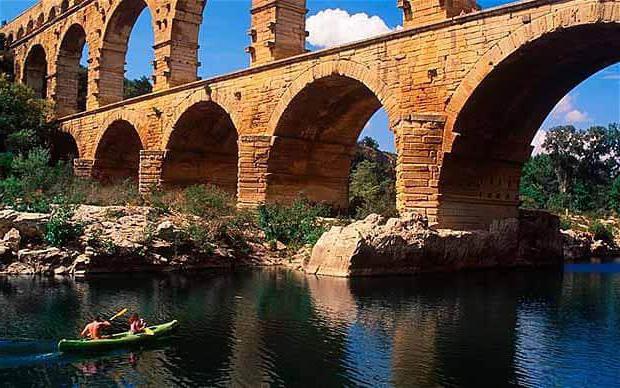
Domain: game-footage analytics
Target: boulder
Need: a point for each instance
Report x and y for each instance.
(29, 225)
(376, 246)
(576, 245)
(167, 231)
(12, 239)
(18, 268)
(43, 260)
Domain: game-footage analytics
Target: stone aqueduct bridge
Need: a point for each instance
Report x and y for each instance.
(465, 91)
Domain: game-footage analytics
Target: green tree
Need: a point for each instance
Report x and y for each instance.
(584, 162)
(538, 182)
(137, 87)
(23, 118)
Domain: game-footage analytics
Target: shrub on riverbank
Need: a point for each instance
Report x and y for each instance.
(60, 229)
(295, 224)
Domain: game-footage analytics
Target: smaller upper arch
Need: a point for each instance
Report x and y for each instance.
(52, 14)
(29, 26)
(64, 5)
(40, 19)
(9, 38)
(20, 32)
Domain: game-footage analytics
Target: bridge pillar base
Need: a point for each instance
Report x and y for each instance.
(418, 143)
(253, 157)
(83, 168)
(149, 175)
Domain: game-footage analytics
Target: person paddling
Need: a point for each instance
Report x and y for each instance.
(136, 324)
(93, 329)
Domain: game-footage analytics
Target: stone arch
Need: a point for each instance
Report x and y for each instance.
(136, 120)
(546, 58)
(35, 70)
(203, 95)
(116, 32)
(202, 148)
(64, 5)
(40, 19)
(29, 26)
(9, 38)
(345, 68)
(117, 153)
(52, 14)
(67, 70)
(315, 134)
(20, 33)
(558, 20)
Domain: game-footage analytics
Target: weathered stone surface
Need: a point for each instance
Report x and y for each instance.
(29, 225)
(18, 268)
(376, 246)
(12, 239)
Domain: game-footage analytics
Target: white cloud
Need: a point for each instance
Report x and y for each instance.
(612, 76)
(567, 112)
(576, 116)
(333, 27)
(538, 142)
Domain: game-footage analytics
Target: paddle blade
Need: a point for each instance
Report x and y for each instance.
(123, 311)
(148, 331)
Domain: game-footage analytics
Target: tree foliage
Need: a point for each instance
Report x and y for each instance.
(136, 87)
(372, 186)
(578, 170)
(23, 118)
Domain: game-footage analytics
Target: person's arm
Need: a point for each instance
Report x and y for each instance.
(106, 323)
(84, 332)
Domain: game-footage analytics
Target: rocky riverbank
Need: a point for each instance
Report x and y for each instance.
(122, 239)
(115, 239)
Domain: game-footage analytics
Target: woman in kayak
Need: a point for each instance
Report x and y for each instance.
(93, 329)
(136, 324)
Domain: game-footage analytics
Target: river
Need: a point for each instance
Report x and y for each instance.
(492, 328)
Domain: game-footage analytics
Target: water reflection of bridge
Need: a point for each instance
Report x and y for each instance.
(286, 328)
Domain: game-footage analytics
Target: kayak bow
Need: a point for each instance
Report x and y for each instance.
(116, 340)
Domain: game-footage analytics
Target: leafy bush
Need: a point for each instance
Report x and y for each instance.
(59, 229)
(295, 224)
(206, 201)
(602, 231)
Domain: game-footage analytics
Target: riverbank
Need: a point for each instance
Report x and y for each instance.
(89, 239)
(110, 239)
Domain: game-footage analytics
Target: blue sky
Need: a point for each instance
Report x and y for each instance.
(223, 39)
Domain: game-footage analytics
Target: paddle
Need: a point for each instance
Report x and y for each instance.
(118, 314)
(148, 331)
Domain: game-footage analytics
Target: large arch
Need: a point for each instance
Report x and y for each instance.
(202, 148)
(314, 137)
(114, 48)
(118, 152)
(35, 70)
(67, 71)
(495, 113)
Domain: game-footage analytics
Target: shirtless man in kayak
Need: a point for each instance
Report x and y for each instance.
(93, 329)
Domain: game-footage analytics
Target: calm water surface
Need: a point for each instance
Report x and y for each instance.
(285, 329)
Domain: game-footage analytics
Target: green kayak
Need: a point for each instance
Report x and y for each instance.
(117, 340)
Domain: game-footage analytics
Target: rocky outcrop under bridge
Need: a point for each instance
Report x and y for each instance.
(407, 245)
